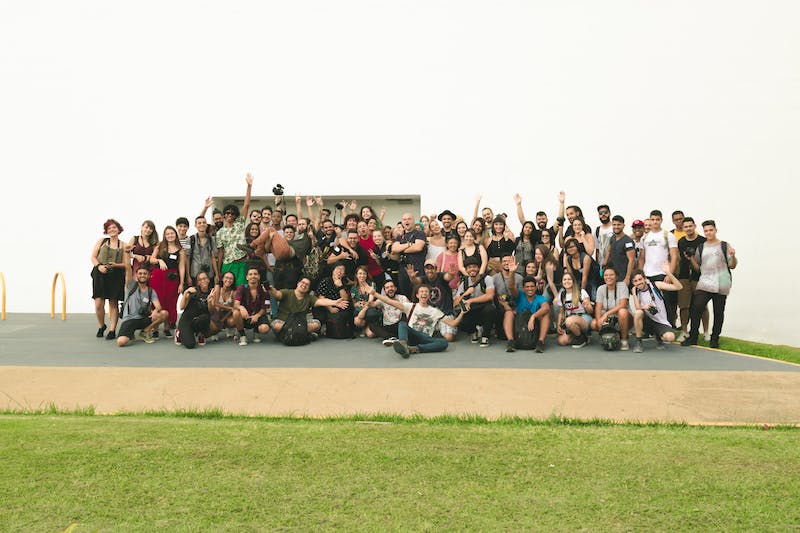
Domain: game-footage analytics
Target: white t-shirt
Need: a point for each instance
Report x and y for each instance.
(603, 239)
(649, 297)
(714, 275)
(391, 314)
(423, 319)
(656, 251)
(569, 307)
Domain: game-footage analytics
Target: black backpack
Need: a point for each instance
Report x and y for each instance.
(524, 338)
(295, 330)
(339, 325)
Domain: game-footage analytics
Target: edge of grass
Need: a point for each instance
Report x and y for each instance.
(217, 413)
(780, 352)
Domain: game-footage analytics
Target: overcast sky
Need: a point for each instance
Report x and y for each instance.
(141, 110)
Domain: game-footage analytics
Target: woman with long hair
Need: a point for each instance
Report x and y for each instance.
(109, 270)
(579, 264)
(436, 241)
(546, 269)
(478, 227)
(498, 245)
(141, 246)
(585, 240)
(360, 295)
(523, 246)
(470, 247)
(461, 229)
(574, 313)
(168, 275)
(195, 319)
(221, 305)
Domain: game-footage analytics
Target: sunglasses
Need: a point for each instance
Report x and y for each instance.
(228, 213)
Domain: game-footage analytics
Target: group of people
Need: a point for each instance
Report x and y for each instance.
(415, 284)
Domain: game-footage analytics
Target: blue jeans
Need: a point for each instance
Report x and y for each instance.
(424, 342)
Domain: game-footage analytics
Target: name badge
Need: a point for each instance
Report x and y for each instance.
(146, 300)
(173, 256)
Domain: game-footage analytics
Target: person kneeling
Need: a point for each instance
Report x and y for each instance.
(137, 312)
(651, 312)
(196, 318)
(253, 305)
(574, 315)
(611, 316)
(416, 333)
(527, 326)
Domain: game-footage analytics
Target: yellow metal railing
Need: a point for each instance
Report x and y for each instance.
(3, 286)
(63, 297)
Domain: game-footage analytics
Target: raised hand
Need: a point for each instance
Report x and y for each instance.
(249, 179)
(410, 271)
(209, 202)
(353, 205)
(561, 197)
(318, 199)
(309, 201)
(517, 198)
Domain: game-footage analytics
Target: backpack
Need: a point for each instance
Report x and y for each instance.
(295, 330)
(311, 263)
(339, 325)
(481, 282)
(524, 338)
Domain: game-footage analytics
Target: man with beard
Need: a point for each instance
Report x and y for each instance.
(541, 219)
(504, 300)
(385, 322)
(447, 218)
(411, 245)
(688, 276)
(476, 293)
(621, 251)
(603, 232)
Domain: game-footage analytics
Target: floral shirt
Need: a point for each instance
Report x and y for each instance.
(227, 239)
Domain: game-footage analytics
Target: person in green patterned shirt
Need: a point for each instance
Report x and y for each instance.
(230, 257)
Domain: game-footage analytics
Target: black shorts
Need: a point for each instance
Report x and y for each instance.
(129, 327)
(263, 319)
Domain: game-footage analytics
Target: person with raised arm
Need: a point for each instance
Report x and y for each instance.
(650, 308)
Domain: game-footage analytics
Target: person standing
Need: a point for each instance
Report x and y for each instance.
(109, 266)
(231, 238)
(714, 259)
(411, 246)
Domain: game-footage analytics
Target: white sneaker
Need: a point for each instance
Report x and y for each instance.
(389, 341)
(623, 346)
(243, 340)
(256, 338)
(707, 335)
(681, 337)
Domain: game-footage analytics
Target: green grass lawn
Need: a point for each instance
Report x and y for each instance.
(771, 351)
(145, 473)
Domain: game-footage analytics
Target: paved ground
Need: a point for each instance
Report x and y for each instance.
(44, 360)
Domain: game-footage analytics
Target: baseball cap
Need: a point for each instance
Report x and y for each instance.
(430, 262)
(637, 222)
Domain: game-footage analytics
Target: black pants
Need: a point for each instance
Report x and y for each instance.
(479, 315)
(190, 325)
(699, 302)
(670, 299)
(374, 320)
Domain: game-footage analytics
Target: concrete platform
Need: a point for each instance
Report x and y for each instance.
(44, 360)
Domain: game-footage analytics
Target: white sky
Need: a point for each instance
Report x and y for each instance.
(141, 110)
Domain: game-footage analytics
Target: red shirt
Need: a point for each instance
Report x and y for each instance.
(373, 267)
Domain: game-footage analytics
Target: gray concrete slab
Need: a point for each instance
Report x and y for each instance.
(38, 340)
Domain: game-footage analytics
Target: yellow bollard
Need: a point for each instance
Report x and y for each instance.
(63, 297)
(3, 285)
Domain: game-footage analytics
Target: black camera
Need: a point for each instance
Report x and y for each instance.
(277, 190)
(611, 322)
(339, 206)
(564, 325)
(462, 307)
(652, 310)
(690, 251)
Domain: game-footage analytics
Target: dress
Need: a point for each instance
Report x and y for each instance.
(165, 283)
(111, 285)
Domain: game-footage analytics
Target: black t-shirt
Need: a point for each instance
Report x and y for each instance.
(685, 270)
(536, 236)
(441, 293)
(500, 248)
(618, 258)
(417, 259)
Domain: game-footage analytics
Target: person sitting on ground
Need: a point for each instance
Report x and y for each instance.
(385, 323)
(611, 306)
(441, 295)
(476, 292)
(300, 300)
(360, 296)
(650, 310)
(137, 313)
(574, 313)
(531, 307)
(416, 333)
(194, 323)
(222, 308)
(253, 305)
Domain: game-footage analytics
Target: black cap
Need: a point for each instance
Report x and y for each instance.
(472, 260)
(447, 212)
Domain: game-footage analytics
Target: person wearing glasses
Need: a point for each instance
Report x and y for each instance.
(603, 232)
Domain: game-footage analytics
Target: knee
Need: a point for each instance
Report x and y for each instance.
(263, 329)
(595, 325)
(122, 341)
(563, 340)
(638, 314)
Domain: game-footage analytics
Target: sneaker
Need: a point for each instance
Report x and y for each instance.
(659, 343)
(475, 338)
(168, 332)
(539, 346)
(637, 346)
(256, 338)
(689, 341)
(510, 347)
(623, 346)
(714, 343)
(314, 336)
(707, 335)
(484, 342)
(111, 335)
(101, 331)
(682, 336)
(402, 348)
(230, 332)
(201, 339)
(177, 337)
(242, 340)
(579, 342)
(147, 336)
(389, 341)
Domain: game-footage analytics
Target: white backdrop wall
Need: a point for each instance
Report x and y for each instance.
(141, 110)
